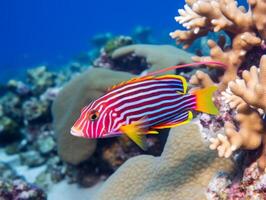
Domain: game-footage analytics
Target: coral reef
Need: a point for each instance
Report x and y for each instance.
(37, 113)
(12, 186)
(239, 130)
(247, 97)
(19, 189)
(186, 164)
(252, 185)
(130, 63)
(243, 27)
(40, 78)
(157, 56)
(116, 43)
(26, 129)
(253, 89)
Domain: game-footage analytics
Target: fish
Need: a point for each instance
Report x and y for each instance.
(142, 106)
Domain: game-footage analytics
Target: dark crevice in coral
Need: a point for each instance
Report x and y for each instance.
(252, 58)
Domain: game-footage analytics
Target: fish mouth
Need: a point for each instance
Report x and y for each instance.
(76, 132)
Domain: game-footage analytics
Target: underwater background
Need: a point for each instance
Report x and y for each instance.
(54, 32)
(57, 57)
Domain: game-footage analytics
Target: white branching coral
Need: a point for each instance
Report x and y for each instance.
(203, 16)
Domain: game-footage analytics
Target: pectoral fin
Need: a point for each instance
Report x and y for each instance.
(136, 134)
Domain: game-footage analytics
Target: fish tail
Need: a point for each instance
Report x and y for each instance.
(204, 102)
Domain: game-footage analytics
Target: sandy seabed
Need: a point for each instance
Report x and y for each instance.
(62, 190)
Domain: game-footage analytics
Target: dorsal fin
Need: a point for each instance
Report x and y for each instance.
(133, 80)
(151, 74)
(145, 78)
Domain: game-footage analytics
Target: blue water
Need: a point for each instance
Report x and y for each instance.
(52, 32)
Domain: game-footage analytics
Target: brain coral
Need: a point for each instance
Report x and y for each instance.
(183, 171)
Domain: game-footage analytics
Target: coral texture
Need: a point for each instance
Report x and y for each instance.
(246, 29)
(251, 186)
(157, 56)
(185, 164)
(246, 96)
(244, 100)
(253, 89)
(12, 186)
(129, 63)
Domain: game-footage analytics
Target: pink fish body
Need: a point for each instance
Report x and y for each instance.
(140, 106)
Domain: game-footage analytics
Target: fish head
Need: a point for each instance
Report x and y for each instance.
(92, 123)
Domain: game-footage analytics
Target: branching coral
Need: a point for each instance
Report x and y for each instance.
(246, 29)
(247, 97)
(249, 135)
(253, 89)
(201, 79)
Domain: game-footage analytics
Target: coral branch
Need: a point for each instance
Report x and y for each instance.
(259, 16)
(201, 79)
(235, 102)
(249, 136)
(246, 97)
(233, 58)
(241, 20)
(253, 91)
(186, 37)
(203, 16)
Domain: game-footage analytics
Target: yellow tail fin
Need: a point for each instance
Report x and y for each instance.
(204, 101)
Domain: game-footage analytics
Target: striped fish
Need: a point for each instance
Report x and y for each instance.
(142, 106)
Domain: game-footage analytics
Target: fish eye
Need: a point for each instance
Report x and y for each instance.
(94, 115)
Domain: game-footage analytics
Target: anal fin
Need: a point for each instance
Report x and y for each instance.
(136, 133)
